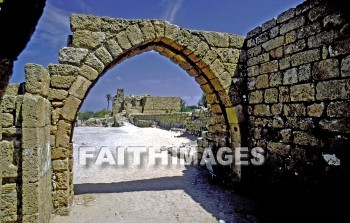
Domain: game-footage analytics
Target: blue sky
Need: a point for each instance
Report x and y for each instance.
(148, 73)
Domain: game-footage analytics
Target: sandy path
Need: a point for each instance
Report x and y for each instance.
(176, 193)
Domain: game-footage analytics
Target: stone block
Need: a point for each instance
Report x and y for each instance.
(318, 12)
(113, 48)
(12, 89)
(147, 30)
(62, 70)
(255, 97)
(305, 138)
(305, 57)
(304, 72)
(62, 179)
(85, 22)
(253, 71)
(290, 76)
(290, 37)
(236, 41)
(261, 110)
(324, 38)
(88, 72)
(8, 103)
(57, 94)
(123, 40)
(315, 110)
(336, 125)
(273, 43)
(278, 148)
(63, 82)
(292, 24)
(284, 63)
(30, 200)
(271, 95)
(276, 109)
(70, 108)
(285, 16)
(269, 67)
(277, 122)
(339, 109)
(217, 39)
(335, 89)
(92, 61)
(256, 31)
(277, 53)
(80, 87)
(326, 69)
(340, 48)
(36, 111)
(63, 135)
(87, 39)
(284, 94)
(269, 24)
(286, 135)
(37, 79)
(71, 55)
(262, 81)
(302, 92)
(262, 38)
(275, 31)
(309, 30)
(9, 203)
(7, 120)
(275, 79)
(294, 110)
(113, 25)
(104, 56)
(134, 35)
(295, 47)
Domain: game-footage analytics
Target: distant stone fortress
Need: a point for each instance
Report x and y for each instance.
(145, 104)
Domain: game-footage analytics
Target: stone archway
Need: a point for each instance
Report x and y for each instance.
(98, 44)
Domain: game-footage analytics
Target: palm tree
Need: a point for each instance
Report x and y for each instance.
(109, 98)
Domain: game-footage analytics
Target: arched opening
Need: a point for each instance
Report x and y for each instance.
(210, 58)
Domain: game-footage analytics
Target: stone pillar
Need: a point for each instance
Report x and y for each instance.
(36, 151)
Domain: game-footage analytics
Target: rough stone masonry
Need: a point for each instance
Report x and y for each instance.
(284, 88)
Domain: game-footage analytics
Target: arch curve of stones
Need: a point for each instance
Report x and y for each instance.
(98, 44)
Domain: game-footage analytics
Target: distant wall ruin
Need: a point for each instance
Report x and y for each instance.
(146, 104)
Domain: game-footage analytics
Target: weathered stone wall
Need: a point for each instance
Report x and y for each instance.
(26, 173)
(298, 68)
(166, 121)
(10, 154)
(199, 121)
(146, 104)
(161, 105)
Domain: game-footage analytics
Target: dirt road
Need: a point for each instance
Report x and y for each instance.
(175, 193)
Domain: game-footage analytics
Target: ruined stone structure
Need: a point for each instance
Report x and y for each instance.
(145, 104)
(284, 88)
(298, 86)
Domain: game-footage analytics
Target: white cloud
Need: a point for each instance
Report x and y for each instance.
(118, 78)
(173, 7)
(54, 26)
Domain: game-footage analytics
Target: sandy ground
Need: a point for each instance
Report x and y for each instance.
(161, 193)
